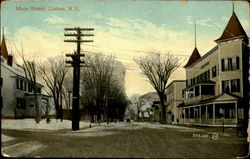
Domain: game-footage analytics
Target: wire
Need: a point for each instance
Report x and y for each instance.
(138, 51)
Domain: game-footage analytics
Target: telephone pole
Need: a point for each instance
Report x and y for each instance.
(76, 64)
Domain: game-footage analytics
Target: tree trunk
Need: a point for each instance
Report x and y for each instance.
(60, 107)
(57, 107)
(163, 109)
(38, 117)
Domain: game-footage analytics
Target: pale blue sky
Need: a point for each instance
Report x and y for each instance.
(171, 14)
(120, 26)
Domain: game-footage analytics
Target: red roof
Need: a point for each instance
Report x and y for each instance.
(193, 58)
(3, 49)
(233, 30)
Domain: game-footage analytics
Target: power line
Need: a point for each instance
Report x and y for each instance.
(138, 51)
(91, 52)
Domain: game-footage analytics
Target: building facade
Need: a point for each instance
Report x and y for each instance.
(217, 87)
(17, 93)
(173, 98)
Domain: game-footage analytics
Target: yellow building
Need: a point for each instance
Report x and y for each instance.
(217, 87)
(174, 97)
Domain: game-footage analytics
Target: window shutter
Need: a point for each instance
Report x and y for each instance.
(237, 62)
(238, 85)
(222, 65)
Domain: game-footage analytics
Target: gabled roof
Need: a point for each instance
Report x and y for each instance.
(193, 58)
(233, 30)
(3, 49)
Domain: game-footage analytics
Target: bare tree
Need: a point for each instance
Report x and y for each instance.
(135, 100)
(46, 108)
(53, 73)
(158, 68)
(68, 88)
(30, 70)
(96, 80)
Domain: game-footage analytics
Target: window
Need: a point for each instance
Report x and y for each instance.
(224, 64)
(17, 84)
(231, 85)
(21, 84)
(235, 85)
(225, 86)
(29, 87)
(191, 112)
(191, 93)
(24, 85)
(183, 93)
(230, 64)
(214, 71)
(229, 112)
(188, 82)
(207, 90)
(20, 103)
(187, 113)
(235, 63)
(38, 90)
(197, 91)
(193, 81)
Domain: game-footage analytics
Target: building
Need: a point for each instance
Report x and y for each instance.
(17, 93)
(173, 98)
(217, 88)
(146, 111)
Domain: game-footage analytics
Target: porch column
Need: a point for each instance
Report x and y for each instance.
(189, 113)
(213, 113)
(200, 91)
(200, 113)
(194, 113)
(206, 113)
(236, 112)
(184, 115)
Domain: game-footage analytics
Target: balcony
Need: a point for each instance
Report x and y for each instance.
(199, 91)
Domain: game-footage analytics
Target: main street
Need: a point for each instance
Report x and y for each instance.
(129, 140)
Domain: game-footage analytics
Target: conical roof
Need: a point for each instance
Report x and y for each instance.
(3, 49)
(233, 30)
(193, 58)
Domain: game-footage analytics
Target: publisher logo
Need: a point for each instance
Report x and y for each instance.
(215, 136)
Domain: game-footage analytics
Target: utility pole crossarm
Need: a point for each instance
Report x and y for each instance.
(78, 34)
(73, 55)
(81, 29)
(84, 41)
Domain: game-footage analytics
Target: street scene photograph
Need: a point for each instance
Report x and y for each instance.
(124, 79)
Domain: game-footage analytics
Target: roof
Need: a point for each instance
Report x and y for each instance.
(232, 97)
(174, 81)
(150, 96)
(3, 48)
(193, 58)
(233, 30)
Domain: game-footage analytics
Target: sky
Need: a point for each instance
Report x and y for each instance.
(126, 29)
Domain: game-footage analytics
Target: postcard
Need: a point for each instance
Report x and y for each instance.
(124, 79)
